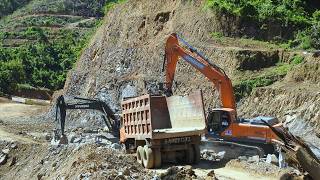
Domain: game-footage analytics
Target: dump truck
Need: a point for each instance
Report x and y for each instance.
(155, 127)
(163, 129)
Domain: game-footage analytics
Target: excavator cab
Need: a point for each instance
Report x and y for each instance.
(219, 120)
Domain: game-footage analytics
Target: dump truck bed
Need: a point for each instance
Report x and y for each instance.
(160, 117)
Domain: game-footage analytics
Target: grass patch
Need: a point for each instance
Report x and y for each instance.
(297, 59)
(245, 86)
(111, 4)
(242, 42)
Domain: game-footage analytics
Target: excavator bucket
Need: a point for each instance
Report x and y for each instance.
(63, 139)
(297, 151)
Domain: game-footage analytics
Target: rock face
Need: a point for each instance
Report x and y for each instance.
(125, 57)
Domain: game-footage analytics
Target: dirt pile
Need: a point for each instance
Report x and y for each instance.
(259, 166)
(185, 172)
(71, 162)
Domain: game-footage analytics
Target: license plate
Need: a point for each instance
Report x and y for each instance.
(177, 140)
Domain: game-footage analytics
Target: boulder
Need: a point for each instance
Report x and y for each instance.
(3, 159)
(254, 159)
(6, 151)
(116, 146)
(271, 158)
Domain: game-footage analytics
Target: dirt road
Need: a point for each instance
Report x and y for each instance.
(16, 122)
(15, 111)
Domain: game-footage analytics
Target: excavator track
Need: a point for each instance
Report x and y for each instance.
(234, 150)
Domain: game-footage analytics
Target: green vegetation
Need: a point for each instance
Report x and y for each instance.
(86, 8)
(8, 6)
(42, 63)
(300, 14)
(245, 86)
(280, 10)
(11, 74)
(297, 59)
(37, 51)
(111, 4)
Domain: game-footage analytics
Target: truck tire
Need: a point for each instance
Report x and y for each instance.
(190, 155)
(139, 153)
(157, 158)
(196, 149)
(148, 157)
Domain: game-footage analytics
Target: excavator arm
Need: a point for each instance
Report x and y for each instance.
(108, 115)
(214, 73)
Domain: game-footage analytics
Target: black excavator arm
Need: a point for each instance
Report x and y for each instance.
(108, 116)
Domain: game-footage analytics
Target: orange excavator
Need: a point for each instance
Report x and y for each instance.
(222, 123)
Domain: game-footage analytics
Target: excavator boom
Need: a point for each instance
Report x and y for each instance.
(213, 72)
(222, 123)
(61, 106)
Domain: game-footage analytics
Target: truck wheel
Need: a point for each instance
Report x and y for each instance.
(139, 153)
(157, 158)
(190, 155)
(148, 157)
(196, 149)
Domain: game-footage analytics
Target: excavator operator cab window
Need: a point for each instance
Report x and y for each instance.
(218, 121)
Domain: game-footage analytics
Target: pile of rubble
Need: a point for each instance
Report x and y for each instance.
(182, 173)
(211, 155)
(268, 165)
(72, 161)
(5, 154)
(82, 136)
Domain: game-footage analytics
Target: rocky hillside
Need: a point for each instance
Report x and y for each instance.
(125, 59)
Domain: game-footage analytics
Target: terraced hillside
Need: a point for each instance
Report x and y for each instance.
(41, 39)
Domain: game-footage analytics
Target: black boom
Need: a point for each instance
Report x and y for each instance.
(108, 115)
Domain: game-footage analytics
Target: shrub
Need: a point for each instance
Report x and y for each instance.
(297, 59)
(11, 73)
(245, 87)
(262, 10)
(217, 35)
(110, 4)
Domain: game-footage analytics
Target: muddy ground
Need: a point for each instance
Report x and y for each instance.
(27, 137)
